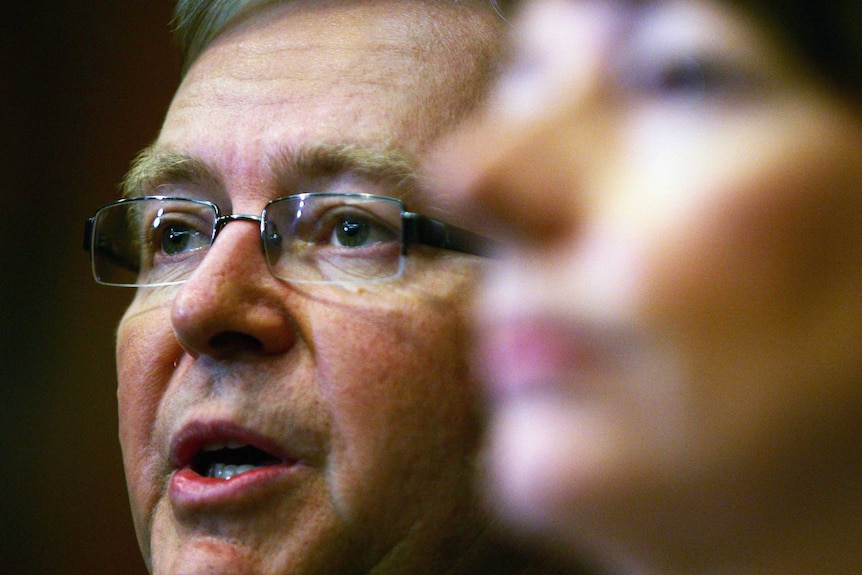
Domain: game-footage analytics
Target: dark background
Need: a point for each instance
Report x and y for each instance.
(83, 86)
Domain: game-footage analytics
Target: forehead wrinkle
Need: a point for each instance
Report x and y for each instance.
(300, 165)
(154, 167)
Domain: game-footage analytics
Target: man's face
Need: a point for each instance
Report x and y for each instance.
(353, 402)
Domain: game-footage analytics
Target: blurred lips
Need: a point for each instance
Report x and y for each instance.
(219, 462)
(527, 355)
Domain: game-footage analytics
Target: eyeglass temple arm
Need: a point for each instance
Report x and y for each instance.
(419, 229)
(88, 235)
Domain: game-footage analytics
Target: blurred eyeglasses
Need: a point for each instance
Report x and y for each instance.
(307, 238)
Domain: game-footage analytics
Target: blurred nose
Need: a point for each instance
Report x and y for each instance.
(231, 304)
(523, 164)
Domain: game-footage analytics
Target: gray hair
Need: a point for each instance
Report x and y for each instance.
(196, 23)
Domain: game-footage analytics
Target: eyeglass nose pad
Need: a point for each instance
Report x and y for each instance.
(219, 225)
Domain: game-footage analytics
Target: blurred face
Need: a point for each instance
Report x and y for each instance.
(270, 427)
(671, 338)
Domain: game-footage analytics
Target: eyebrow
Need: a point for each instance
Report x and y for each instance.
(153, 167)
(293, 169)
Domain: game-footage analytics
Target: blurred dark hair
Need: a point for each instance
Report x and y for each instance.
(827, 34)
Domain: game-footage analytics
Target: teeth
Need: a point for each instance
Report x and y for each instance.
(217, 445)
(223, 471)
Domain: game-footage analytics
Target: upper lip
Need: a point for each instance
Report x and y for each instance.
(526, 351)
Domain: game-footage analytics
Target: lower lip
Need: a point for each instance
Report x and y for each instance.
(190, 491)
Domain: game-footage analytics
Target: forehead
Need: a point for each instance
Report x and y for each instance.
(378, 74)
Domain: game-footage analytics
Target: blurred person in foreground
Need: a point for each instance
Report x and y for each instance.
(293, 394)
(672, 340)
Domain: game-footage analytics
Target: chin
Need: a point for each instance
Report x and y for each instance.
(208, 557)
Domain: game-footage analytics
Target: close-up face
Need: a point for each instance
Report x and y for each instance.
(681, 297)
(344, 413)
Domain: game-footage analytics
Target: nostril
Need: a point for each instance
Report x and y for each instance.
(228, 342)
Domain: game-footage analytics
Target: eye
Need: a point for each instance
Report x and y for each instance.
(669, 77)
(177, 238)
(683, 78)
(355, 231)
(689, 78)
(352, 232)
(174, 233)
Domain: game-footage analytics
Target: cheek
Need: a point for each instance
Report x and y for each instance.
(758, 247)
(404, 410)
(766, 205)
(145, 363)
(767, 257)
(399, 377)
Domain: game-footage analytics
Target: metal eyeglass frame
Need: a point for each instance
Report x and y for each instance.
(416, 229)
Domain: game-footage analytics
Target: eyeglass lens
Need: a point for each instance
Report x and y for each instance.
(333, 238)
(307, 238)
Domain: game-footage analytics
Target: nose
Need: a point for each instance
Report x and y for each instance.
(516, 178)
(231, 304)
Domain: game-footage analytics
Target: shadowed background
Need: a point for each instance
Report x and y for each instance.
(83, 86)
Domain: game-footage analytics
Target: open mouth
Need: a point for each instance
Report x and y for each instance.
(226, 460)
